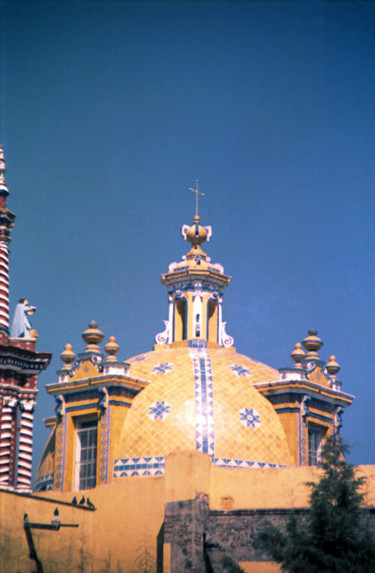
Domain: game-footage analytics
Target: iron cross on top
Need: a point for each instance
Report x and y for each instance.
(197, 193)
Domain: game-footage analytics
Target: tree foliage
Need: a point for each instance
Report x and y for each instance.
(335, 536)
(230, 566)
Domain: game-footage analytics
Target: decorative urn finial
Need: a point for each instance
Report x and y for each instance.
(196, 234)
(297, 355)
(312, 343)
(93, 337)
(67, 356)
(332, 367)
(111, 348)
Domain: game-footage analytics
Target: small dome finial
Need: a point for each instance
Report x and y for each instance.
(67, 356)
(332, 366)
(111, 349)
(297, 355)
(93, 337)
(312, 343)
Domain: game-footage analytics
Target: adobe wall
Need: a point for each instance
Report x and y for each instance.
(118, 537)
(57, 549)
(195, 512)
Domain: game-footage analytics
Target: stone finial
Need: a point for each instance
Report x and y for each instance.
(93, 337)
(297, 355)
(196, 234)
(312, 343)
(332, 366)
(111, 349)
(67, 356)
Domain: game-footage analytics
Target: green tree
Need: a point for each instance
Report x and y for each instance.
(335, 536)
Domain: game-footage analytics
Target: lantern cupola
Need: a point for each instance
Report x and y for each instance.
(195, 290)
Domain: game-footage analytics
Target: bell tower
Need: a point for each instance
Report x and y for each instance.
(20, 366)
(195, 292)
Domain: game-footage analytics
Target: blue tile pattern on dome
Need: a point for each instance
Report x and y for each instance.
(199, 376)
(229, 463)
(150, 466)
(162, 368)
(159, 410)
(204, 405)
(249, 418)
(155, 466)
(240, 370)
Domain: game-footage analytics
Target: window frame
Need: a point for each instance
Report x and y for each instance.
(314, 453)
(85, 470)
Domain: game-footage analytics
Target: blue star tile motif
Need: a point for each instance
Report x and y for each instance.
(159, 410)
(162, 368)
(249, 418)
(240, 370)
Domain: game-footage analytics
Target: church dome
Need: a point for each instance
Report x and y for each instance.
(193, 391)
(204, 399)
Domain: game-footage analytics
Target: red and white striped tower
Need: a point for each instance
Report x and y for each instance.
(20, 366)
(25, 448)
(6, 438)
(6, 224)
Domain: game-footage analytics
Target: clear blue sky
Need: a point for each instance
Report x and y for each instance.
(110, 110)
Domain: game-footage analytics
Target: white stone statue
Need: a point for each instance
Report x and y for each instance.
(21, 326)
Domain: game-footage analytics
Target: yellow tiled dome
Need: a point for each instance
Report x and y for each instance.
(202, 399)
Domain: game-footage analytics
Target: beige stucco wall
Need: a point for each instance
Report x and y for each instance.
(55, 548)
(121, 534)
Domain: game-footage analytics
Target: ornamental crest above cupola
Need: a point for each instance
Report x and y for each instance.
(195, 289)
(195, 270)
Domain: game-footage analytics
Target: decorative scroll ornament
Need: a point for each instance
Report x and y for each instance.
(27, 405)
(163, 337)
(10, 402)
(225, 340)
(217, 267)
(172, 267)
